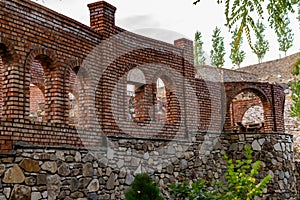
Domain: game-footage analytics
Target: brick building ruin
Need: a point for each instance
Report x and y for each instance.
(68, 90)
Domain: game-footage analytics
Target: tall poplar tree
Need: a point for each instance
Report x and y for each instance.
(285, 37)
(261, 45)
(218, 50)
(199, 58)
(237, 55)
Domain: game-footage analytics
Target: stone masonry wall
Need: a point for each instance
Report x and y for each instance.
(67, 173)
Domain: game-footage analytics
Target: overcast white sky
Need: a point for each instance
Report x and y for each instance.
(168, 20)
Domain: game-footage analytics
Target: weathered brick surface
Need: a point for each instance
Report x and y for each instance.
(61, 56)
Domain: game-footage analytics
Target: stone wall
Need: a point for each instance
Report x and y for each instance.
(68, 173)
(279, 70)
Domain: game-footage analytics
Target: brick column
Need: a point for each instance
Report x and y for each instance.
(102, 17)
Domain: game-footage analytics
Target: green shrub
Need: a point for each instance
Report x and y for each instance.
(240, 177)
(194, 191)
(143, 188)
(241, 183)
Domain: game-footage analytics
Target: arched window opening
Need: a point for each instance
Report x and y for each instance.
(160, 104)
(37, 91)
(247, 113)
(73, 98)
(135, 97)
(37, 104)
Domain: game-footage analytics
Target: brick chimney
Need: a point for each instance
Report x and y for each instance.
(102, 17)
(188, 56)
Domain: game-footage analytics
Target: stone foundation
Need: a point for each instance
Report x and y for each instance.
(70, 173)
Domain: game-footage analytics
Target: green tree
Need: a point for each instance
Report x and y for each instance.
(143, 188)
(218, 50)
(261, 45)
(243, 13)
(286, 38)
(240, 177)
(240, 182)
(199, 58)
(237, 55)
(295, 108)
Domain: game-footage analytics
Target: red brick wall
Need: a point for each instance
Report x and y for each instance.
(96, 60)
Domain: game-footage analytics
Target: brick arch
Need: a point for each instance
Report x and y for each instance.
(117, 70)
(266, 103)
(47, 58)
(81, 77)
(243, 106)
(173, 111)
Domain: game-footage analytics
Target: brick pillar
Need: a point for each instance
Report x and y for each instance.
(13, 97)
(190, 110)
(188, 56)
(102, 17)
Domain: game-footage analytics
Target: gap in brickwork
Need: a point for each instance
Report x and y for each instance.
(160, 106)
(247, 112)
(135, 97)
(37, 92)
(73, 99)
(254, 114)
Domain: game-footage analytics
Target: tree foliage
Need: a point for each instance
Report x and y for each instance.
(295, 108)
(286, 38)
(241, 183)
(237, 56)
(218, 50)
(261, 45)
(143, 188)
(243, 13)
(197, 190)
(240, 177)
(199, 58)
